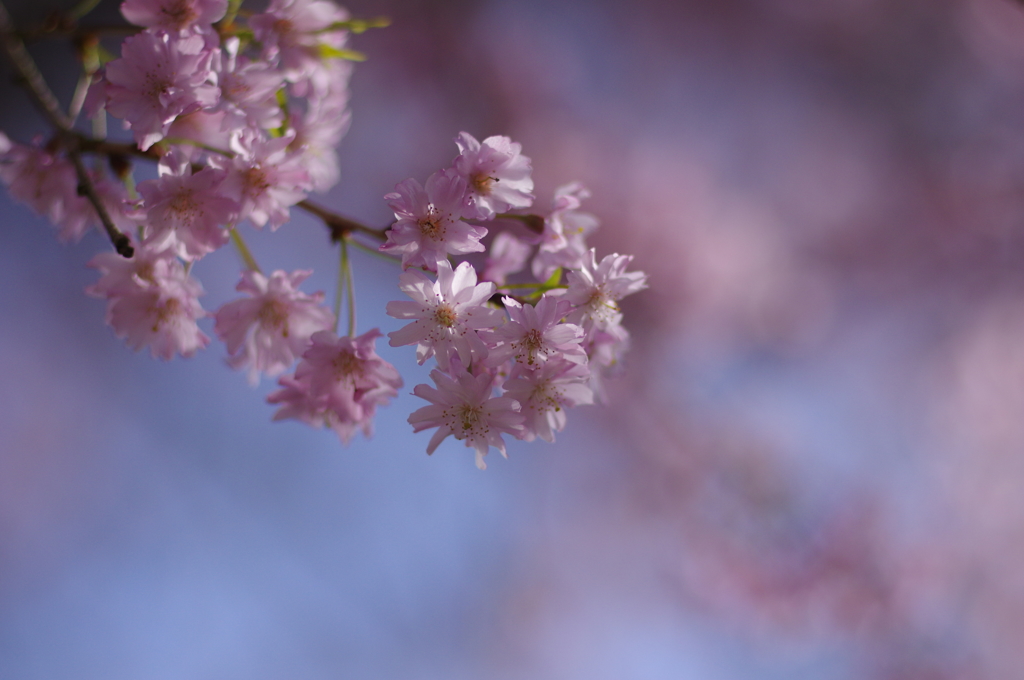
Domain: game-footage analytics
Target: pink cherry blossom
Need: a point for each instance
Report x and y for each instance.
(563, 243)
(151, 301)
(45, 181)
(264, 177)
(605, 349)
(295, 32)
(595, 289)
(48, 183)
(267, 330)
(464, 408)
(296, 403)
(497, 174)
(348, 369)
(429, 225)
(193, 131)
(534, 335)
(546, 393)
(158, 78)
(173, 15)
(248, 91)
(447, 314)
(184, 211)
(319, 129)
(339, 383)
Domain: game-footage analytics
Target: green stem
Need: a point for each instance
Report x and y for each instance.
(350, 297)
(78, 98)
(373, 251)
(99, 124)
(243, 251)
(129, 185)
(229, 17)
(90, 64)
(339, 290)
(83, 8)
(356, 25)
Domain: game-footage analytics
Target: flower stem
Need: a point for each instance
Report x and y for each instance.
(229, 16)
(373, 251)
(78, 98)
(339, 290)
(345, 270)
(82, 8)
(243, 251)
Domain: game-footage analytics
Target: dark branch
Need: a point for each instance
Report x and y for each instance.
(122, 244)
(105, 148)
(340, 226)
(68, 29)
(534, 223)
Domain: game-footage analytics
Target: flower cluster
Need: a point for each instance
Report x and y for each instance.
(241, 112)
(242, 119)
(513, 371)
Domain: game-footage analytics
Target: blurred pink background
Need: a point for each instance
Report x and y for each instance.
(811, 467)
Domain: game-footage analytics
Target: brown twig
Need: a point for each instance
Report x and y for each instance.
(340, 226)
(105, 148)
(534, 223)
(47, 102)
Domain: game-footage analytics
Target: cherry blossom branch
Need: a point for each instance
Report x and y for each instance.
(60, 24)
(122, 244)
(65, 26)
(340, 226)
(534, 223)
(105, 148)
(44, 97)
